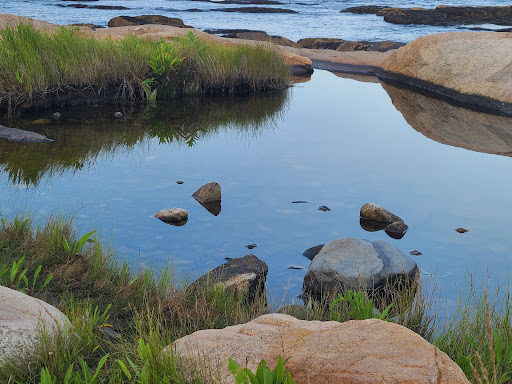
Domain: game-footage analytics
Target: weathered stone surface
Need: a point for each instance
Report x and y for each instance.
(356, 264)
(21, 317)
(469, 67)
(15, 134)
(453, 125)
(208, 193)
(371, 211)
(348, 46)
(310, 253)
(354, 352)
(244, 274)
(396, 230)
(123, 21)
(172, 215)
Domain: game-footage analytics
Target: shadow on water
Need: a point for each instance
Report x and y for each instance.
(453, 125)
(83, 134)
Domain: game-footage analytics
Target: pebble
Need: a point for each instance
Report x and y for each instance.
(295, 267)
(118, 115)
(56, 116)
(324, 208)
(179, 182)
(300, 202)
(462, 230)
(415, 253)
(251, 246)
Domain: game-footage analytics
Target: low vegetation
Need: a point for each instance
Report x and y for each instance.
(38, 68)
(123, 317)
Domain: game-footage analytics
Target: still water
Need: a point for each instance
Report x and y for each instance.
(330, 141)
(313, 18)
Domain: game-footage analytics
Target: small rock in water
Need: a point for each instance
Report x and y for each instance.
(251, 246)
(371, 211)
(462, 230)
(310, 253)
(173, 215)
(295, 267)
(56, 116)
(208, 193)
(42, 121)
(118, 115)
(300, 202)
(179, 182)
(396, 230)
(415, 252)
(324, 208)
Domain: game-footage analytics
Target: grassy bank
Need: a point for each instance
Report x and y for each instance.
(148, 310)
(41, 68)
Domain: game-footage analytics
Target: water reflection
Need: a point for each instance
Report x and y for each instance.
(453, 125)
(84, 134)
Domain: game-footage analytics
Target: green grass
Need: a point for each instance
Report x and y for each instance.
(150, 309)
(36, 67)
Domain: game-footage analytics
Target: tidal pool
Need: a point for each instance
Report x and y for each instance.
(331, 141)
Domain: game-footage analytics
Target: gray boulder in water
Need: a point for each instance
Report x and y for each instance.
(351, 263)
(15, 134)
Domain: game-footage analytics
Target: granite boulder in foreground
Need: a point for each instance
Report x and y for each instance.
(22, 317)
(473, 68)
(351, 263)
(356, 352)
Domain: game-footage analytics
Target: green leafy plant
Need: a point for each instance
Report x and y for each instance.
(280, 375)
(164, 60)
(17, 277)
(75, 247)
(359, 307)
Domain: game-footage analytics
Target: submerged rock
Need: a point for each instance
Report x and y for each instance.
(462, 230)
(15, 134)
(356, 352)
(396, 230)
(251, 246)
(372, 225)
(357, 264)
(244, 274)
(175, 216)
(255, 10)
(324, 208)
(310, 253)
(415, 252)
(21, 317)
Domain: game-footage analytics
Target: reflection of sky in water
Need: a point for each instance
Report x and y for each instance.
(339, 143)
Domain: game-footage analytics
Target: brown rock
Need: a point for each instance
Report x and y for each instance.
(246, 275)
(21, 316)
(171, 215)
(355, 352)
(208, 193)
(348, 46)
(371, 211)
(465, 66)
(123, 21)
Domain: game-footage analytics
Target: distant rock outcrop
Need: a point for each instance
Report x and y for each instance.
(123, 21)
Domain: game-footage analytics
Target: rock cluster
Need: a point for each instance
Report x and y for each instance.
(354, 352)
(374, 218)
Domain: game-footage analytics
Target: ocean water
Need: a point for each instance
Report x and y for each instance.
(315, 18)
